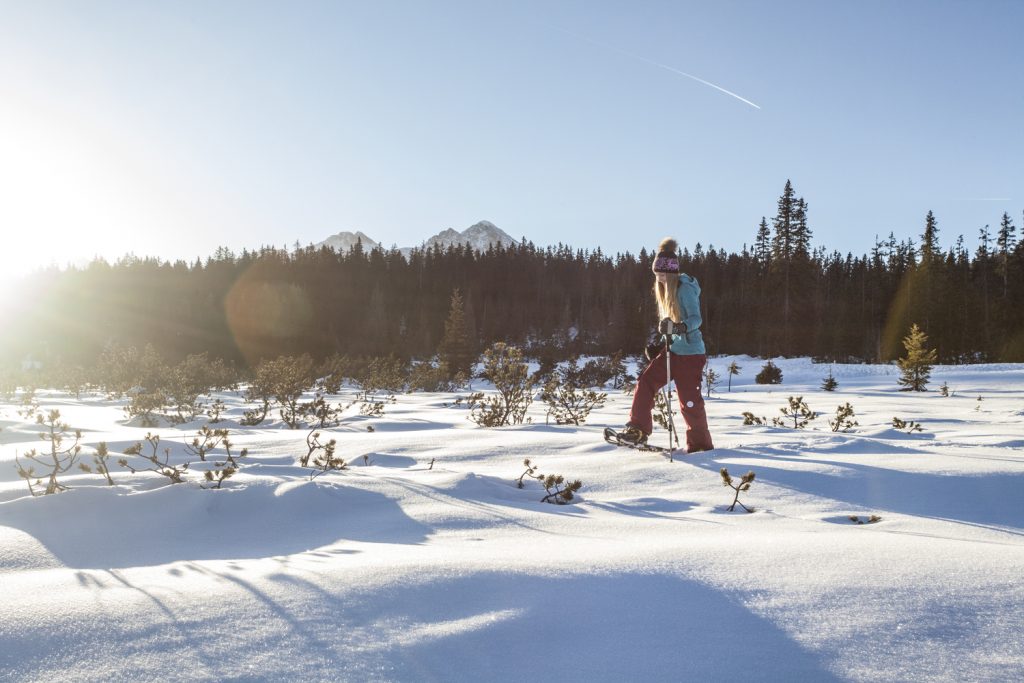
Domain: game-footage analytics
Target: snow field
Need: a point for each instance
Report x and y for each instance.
(393, 571)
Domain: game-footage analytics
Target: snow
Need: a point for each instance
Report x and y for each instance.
(394, 570)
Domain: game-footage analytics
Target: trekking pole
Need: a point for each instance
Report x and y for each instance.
(668, 390)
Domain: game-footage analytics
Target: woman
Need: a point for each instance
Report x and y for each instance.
(678, 297)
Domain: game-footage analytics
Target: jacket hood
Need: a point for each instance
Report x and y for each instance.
(689, 281)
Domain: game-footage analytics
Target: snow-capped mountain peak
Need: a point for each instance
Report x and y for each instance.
(479, 236)
(343, 241)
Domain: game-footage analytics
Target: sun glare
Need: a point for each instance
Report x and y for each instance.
(65, 199)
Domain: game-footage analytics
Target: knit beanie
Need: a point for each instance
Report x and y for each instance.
(666, 261)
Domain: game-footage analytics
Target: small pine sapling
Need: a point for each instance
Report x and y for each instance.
(314, 445)
(559, 491)
(944, 389)
(916, 367)
(226, 468)
(843, 421)
(829, 383)
(324, 460)
(798, 411)
(742, 485)
(908, 425)
(568, 400)
(322, 413)
(977, 408)
(99, 460)
(505, 368)
(215, 410)
(163, 467)
(531, 470)
(750, 419)
(211, 439)
(731, 370)
(770, 374)
(58, 461)
(711, 380)
(29, 405)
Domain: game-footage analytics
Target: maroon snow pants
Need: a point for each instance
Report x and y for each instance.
(686, 371)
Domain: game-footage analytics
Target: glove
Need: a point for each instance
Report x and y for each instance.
(668, 327)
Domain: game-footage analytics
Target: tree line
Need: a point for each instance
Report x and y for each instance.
(779, 296)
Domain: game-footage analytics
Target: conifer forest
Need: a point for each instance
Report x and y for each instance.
(777, 297)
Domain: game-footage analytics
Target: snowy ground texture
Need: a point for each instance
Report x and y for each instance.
(395, 571)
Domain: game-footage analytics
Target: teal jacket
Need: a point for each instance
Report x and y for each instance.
(692, 342)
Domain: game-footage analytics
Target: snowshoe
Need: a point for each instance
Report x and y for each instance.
(630, 438)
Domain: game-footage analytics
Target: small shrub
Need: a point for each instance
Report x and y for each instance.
(215, 410)
(503, 366)
(321, 413)
(770, 374)
(909, 425)
(99, 462)
(711, 380)
(223, 469)
(162, 466)
(291, 376)
(743, 485)
(531, 471)
(798, 411)
(751, 419)
(434, 378)
(568, 401)
(558, 490)
(58, 461)
(322, 456)
(944, 389)
(843, 421)
(185, 383)
(146, 405)
(29, 405)
(600, 371)
(207, 440)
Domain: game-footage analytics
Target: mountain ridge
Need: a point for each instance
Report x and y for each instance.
(479, 236)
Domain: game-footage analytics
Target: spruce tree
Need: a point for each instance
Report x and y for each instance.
(456, 350)
(1005, 241)
(916, 367)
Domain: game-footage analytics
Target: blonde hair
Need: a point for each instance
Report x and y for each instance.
(665, 292)
(665, 295)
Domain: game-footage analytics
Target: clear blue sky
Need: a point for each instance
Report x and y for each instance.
(171, 128)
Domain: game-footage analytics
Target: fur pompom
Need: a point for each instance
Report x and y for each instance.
(667, 246)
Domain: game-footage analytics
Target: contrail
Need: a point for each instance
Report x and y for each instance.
(641, 58)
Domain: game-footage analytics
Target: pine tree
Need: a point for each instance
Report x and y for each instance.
(829, 383)
(763, 245)
(1005, 241)
(929, 240)
(455, 349)
(916, 367)
(732, 369)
